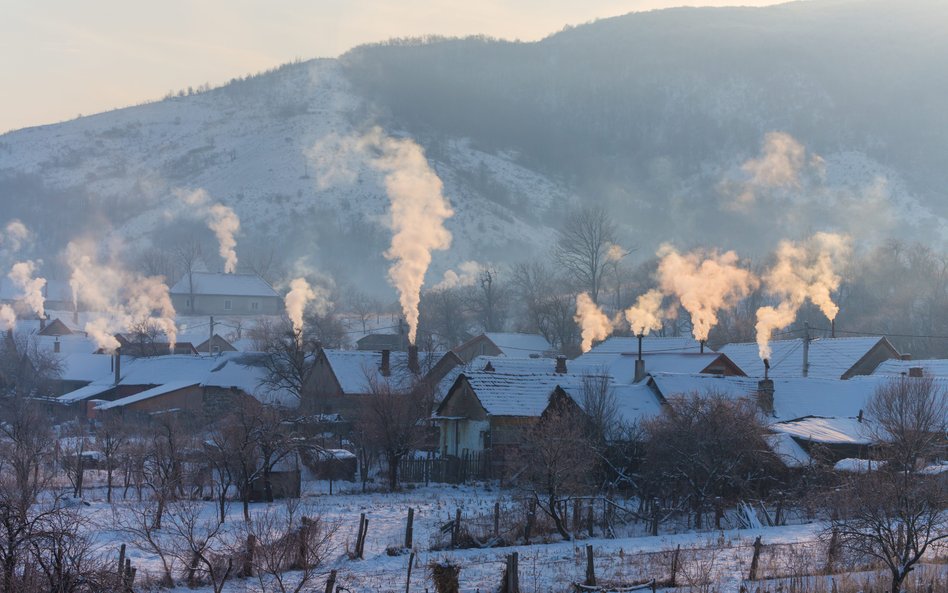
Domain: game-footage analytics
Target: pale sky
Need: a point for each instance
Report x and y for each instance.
(60, 58)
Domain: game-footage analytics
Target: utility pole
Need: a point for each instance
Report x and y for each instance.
(806, 348)
(210, 340)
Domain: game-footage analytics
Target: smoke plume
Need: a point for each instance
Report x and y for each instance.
(646, 314)
(594, 324)
(467, 275)
(803, 271)
(704, 284)
(300, 295)
(418, 206)
(122, 301)
(31, 289)
(615, 252)
(7, 318)
(219, 218)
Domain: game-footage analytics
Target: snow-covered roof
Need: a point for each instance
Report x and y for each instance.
(652, 344)
(790, 452)
(147, 394)
(225, 285)
(503, 394)
(634, 403)
(930, 367)
(793, 398)
(84, 393)
(518, 345)
(622, 365)
(357, 369)
(829, 358)
(828, 431)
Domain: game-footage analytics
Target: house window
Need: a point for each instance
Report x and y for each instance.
(187, 303)
(216, 349)
(254, 305)
(228, 305)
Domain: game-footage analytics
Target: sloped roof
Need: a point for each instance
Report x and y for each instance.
(829, 431)
(622, 366)
(147, 394)
(829, 358)
(651, 344)
(518, 345)
(930, 367)
(793, 397)
(356, 369)
(790, 453)
(634, 403)
(504, 394)
(225, 285)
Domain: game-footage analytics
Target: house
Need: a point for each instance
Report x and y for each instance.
(512, 345)
(826, 358)
(57, 295)
(913, 368)
(489, 408)
(207, 293)
(142, 345)
(341, 378)
(622, 365)
(215, 345)
(196, 384)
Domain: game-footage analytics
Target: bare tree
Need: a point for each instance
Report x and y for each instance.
(26, 370)
(706, 446)
(200, 544)
(290, 549)
(600, 406)
(895, 513)
(111, 436)
(189, 257)
(554, 458)
(393, 421)
(488, 300)
(583, 245)
(290, 360)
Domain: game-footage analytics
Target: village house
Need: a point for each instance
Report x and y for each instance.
(341, 379)
(207, 293)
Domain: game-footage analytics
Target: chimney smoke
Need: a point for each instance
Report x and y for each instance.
(594, 324)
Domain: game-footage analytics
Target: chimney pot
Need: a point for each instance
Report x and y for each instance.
(765, 396)
(413, 364)
(56, 346)
(916, 372)
(905, 357)
(117, 357)
(42, 322)
(489, 367)
(386, 367)
(560, 365)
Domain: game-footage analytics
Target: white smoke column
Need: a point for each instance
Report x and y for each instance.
(225, 224)
(7, 318)
(704, 284)
(646, 314)
(419, 207)
(615, 252)
(301, 294)
(593, 323)
(101, 330)
(803, 271)
(148, 302)
(467, 275)
(31, 289)
(419, 210)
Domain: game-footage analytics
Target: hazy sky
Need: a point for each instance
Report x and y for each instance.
(60, 58)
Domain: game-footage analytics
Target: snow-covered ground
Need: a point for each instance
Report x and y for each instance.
(724, 557)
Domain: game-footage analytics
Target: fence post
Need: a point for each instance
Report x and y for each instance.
(409, 528)
(511, 576)
(755, 560)
(590, 512)
(121, 560)
(590, 567)
(411, 561)
(456, 529)
(247, 569)
(531, 517)
(497, 519)
(673, 581)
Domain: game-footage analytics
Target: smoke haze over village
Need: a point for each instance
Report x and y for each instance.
(669, 281)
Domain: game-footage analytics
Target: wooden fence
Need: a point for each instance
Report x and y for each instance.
(449, 469)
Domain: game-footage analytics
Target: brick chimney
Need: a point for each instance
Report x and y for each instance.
(916, 372)
(413, 365)
(765, 396)
(56, 346)
(560, 365)
(905, 357)
(43, 319)
(117, 365)
(386, 366)
(639, 370)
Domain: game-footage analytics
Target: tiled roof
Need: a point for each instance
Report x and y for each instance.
(518, 345)
(619, 344)
(356, 369)
(829, 431)
(930, 367)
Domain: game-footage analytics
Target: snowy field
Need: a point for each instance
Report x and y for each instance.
(708, 561)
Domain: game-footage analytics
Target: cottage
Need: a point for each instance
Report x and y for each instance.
(206, 293)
